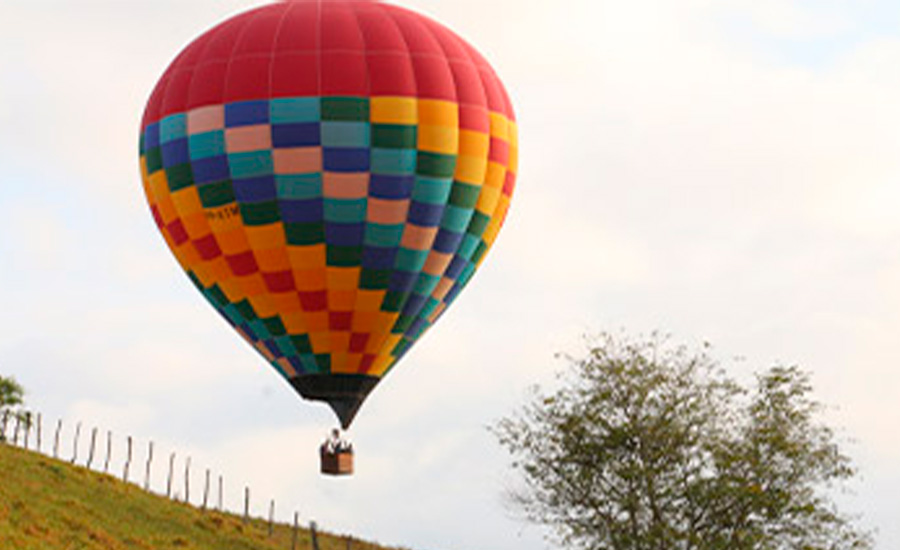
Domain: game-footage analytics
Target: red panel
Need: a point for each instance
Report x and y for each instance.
(344, 73)
(340, 31)
(499, 151)
(156, 217)
(295, 75)
(391, 74)
(242, 264)
(417, 37)
(313, 301)
(259, 34)
(434, 79)
(366, 363)
(207, 247)
(510, 184)
(208, 85)
(379, 31)
(247, 78)
(469, 89)
(358, 342)
(282, 281)
(175, 98)
(177, 232)
(472, 117)
(340, 320)
(300, 32)
(496, 99)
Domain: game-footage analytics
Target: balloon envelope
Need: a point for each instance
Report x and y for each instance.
(330, 174)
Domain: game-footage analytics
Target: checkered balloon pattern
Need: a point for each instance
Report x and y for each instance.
(330, 175)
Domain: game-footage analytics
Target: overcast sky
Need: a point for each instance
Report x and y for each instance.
(722, 170)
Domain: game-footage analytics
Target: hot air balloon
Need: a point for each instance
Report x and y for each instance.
(330, 175)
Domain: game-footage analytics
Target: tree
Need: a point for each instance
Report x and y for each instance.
(11, 393)
(649, 446)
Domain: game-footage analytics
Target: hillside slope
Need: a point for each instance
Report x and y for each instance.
(46, 504)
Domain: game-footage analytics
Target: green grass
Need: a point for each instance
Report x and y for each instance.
(47, 504)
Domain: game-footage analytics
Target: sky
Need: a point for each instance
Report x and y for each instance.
(720, 170)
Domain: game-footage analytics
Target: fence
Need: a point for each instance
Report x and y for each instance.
(25, 429)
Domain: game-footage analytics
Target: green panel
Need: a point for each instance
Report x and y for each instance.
(394, 136)
(285, 346)
(153, 158)
(302, 343)
(345, 210)
(393, 301)
(275, 326)
(411, 260)
(213, 195)
(344, 256)
(260, 213)
(345, 108)
(479, 223)
(456, 219)
(464, 195)
(426, 284)
(436, 165)
(387, 236)
(179, 177)
(246, 310)
(480, 251)
(302, 234)
(215, 294)
(374, 279)
(323, 361)
(431, 190)
(403, 323)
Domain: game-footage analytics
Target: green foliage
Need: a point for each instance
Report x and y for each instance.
(47, 504)
(11, 393)
(646, 446)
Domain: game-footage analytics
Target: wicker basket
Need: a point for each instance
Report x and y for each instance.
(337, 464)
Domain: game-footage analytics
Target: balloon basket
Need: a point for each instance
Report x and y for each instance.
(338, 463)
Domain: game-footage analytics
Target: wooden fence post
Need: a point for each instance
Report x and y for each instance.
(314, 536)
(16, 430)
(271, 516)
(205, 491)
(149, 461)
(220, 493)
(27, 428)
(246, 504)
(187, 480)
(93, 444)
(349, 541)
(296, 531)
(75, 444)
(127, 461)
(108, 451)
(39, 427)
(169, 481)
(3, 426)
(56, 439)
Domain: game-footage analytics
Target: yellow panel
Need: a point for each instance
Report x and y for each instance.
(195, 224)
(186, 255)
(438, 139)
(513, 134)
(471, 169)
(272, 260)
(343, 278)
(232, 289)
(438, 112)
(166, 209)
(321, 342)
(263, 305)
(286, 302)
(393, 110)
(294, 322)
(233, 242)
(158, 184)
(340, 342)
(310, 280)
(187, 201)
(487, 200)
(339, 361)
(499, 126)
(224, 218)
(474, 143)
(369, 300)
(381, 364)
(354, 361)
(266, 237)
(307, 257)
(341, 300)
(363, 321)
(253, 285)
(317, 321)
(496, 175)
(219, 269)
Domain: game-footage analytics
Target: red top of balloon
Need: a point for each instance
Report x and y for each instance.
(300, 48)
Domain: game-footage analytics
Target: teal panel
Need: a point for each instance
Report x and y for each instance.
(410, 260)
(393, 161)
(431, 190)
(387, 236)
(299, 186)
(207, 144)
(345, 134)
(456, 219)
(345, 211)
(294, 110)
(250, 165)
(173, 127)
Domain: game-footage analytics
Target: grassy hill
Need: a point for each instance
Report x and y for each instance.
(47, 504)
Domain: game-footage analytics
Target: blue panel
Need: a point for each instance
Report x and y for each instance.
(402, 281)
(255, 189)
(455, 268)
(296, 135)
(175, 152)
(299, 186)
(345, 134)
(426, 215)
(345, 160)
(447, 241)
(302, 211)
(415, 302)
(391, 187)
(151, 136)
(376, 257)
(344, 234)
(207, 144)
(211, 169)
(172, 128)
(246, 113)
(295, 109)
